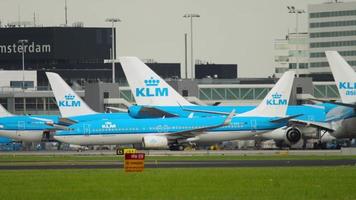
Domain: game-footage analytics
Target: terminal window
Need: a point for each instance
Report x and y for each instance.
(18, 84)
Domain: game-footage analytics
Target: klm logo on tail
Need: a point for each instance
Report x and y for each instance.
(69, 101)
(151, 89)
(349, 87)
(277, 100)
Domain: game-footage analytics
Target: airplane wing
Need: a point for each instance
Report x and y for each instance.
(195, 132)
(321, 125)
(217, 103)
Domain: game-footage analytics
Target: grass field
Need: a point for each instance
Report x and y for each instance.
(203, 183)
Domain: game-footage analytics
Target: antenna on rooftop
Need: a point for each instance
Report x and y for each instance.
(34, 19)
(66, 12)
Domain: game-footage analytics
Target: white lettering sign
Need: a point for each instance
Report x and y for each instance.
(27, 48)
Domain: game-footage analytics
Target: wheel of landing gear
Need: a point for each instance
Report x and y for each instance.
(176, 148)
(180, 148)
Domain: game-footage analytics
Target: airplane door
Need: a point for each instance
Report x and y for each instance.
(20, 127)
(253, 125)
(310, 117)
(86, 129)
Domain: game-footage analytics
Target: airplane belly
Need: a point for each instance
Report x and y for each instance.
(27, 136)
(104, 139)
(226, 136)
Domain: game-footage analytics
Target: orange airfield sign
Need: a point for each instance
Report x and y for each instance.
(134, 162)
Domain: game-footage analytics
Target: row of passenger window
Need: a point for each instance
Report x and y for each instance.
(233, 125)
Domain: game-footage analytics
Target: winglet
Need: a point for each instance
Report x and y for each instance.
(276, 102)
(147, 87)
(229, 118)
(344, 75)
(69, 103)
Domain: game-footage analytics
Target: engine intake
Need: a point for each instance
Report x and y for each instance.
(293, 135)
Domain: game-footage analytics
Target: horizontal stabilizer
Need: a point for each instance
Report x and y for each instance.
(117, 109)
(217, 103)
(285, 119)
(154, 112)
(66, 121)
(207, 111)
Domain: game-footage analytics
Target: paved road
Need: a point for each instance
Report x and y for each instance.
(344, 151)
(191, 164)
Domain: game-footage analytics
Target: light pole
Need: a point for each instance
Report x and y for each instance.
(191, 16)
(296, 11)
(113, 52)
(22, 42)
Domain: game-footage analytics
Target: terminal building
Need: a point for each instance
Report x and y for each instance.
(77, 53)
(331, 26)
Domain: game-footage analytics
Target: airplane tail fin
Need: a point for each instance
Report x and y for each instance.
(344, 75)
(147, 87)
(4, 112)
(275, 104)
(69, 103)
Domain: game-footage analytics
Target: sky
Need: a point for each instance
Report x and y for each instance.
(228, 31)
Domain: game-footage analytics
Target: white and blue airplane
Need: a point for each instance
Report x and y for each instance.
(36, 128)
(151, 92)
(25, 127)
(340, 121)
(269, 115)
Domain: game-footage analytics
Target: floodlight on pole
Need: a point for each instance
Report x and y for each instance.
(113, 52)
(293, 10)
(191, 16)
(22, 42)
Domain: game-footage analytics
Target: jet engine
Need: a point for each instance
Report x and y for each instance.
(293, 135)
(288, 135)
(155, 142)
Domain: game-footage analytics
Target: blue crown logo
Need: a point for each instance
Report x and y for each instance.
(276, 96)
(69, 97)
(151, 82)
